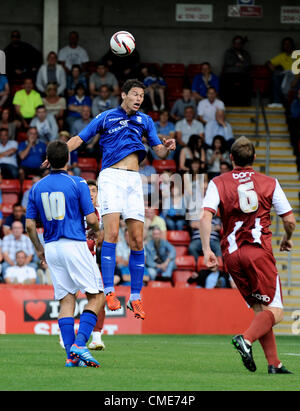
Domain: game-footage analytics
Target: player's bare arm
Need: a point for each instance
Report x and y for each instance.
(162, 150)
(289, 225)
(205, 230)
(33, 235)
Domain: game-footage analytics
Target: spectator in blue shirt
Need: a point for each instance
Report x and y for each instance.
(160, 256)
(203, 81)
(32, 153)
(165, 129)
(219, 127)
(75, 104)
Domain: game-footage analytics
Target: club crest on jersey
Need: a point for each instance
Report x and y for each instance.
(139, 119)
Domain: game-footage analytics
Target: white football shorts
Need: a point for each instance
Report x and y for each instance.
(121, 191)
(72, 268)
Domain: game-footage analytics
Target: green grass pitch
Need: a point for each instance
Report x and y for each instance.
(144, 363)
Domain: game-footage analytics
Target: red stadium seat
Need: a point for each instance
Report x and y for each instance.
(10, 198)
(200, 263)
(159, 284)
(87, 164)
(154, 115)
(10, 186)
(174, 83)
(164, 165)
(185, 262)
(178, 237)
(6, 209)
(180, 277)
(88, 175)
(26, 185)
(21, 136)
(16, 87)
(192, 70)
(261, 79)
(173, 70)
(181, 250)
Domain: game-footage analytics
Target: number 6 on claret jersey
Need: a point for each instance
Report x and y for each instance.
(54, 205)
(247, 197)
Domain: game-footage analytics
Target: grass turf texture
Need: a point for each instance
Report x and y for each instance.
(144, 363)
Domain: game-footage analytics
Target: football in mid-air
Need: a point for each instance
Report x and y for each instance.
(122, 43)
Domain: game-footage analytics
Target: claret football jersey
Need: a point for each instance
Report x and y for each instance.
(245, 198)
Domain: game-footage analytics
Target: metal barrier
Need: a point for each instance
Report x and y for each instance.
(260, 106)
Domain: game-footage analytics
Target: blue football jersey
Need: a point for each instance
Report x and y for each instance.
(60, 202)
(121, 134)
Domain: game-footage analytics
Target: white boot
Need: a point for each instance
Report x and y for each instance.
(96, 343)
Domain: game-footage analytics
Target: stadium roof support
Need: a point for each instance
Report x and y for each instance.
(50, 27)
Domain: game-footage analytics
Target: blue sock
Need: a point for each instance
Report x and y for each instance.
(136, 268)
(88, 320)
(108, 264)
(66, 326)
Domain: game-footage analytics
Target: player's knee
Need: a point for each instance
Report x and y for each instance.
(111, 236)
(136, 243)
(278, 314)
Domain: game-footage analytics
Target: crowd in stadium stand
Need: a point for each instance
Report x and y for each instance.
(41, 102)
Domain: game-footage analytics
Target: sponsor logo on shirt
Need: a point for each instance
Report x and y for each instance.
(242, 174)
(115, 119)
(264, 298)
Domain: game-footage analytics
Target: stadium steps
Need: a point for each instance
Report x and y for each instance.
(283, 167)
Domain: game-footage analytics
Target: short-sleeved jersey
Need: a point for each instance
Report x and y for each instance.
(245, 199)
(121, 134)
(60, 202)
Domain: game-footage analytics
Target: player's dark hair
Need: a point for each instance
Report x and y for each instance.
(243, 152)
(57, 154)
(92, 183)
(130, 83)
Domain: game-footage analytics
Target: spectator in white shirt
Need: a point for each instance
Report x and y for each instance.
(14, 242)
(73, 54)
(206, 109)
(21, 273)
(51, 72)
(45, 124)
(8, 156)
(187, 126)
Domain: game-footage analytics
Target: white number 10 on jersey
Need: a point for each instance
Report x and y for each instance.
(247, 197)
(54, 205)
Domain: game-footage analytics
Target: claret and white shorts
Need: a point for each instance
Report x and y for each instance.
(72, 268)
(121, 191)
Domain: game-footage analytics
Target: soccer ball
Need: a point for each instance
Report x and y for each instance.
(122, 43)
